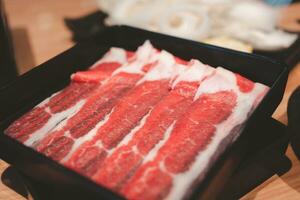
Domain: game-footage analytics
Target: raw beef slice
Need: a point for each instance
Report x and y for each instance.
(125, 116)
(59, 142)
(221, 105)
(56, 108)
(126, 159)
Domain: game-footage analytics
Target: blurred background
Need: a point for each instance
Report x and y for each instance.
(39, 30)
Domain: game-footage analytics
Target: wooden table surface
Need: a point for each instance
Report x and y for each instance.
(42, 23)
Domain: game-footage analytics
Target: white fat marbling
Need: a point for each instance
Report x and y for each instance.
(87, 137)
(131, 134)
(152, 154)
(143, 55)
(196, 71)
(245, 101)
(166, 68)
(113, 55)
(221, 80)
(52, 122)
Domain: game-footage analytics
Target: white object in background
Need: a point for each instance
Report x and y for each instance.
(250, 21)
(127, 12)
(255, 22)
(255, 14)
(185, 21)
(276, 39)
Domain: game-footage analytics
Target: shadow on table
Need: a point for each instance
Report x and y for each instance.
(12, 179)
(294, 172)
(22, 50)
(285, 177)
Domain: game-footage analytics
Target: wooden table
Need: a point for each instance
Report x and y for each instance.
(42, 23)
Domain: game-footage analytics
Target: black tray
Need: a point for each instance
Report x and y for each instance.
(262, 164)
(33, 87)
